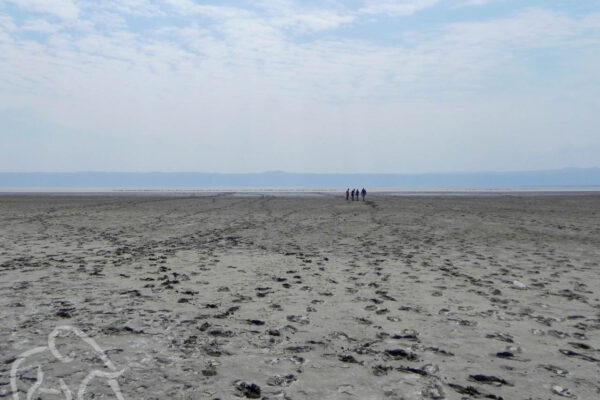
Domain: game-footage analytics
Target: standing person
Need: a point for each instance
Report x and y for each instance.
(347, 193)
(352, 194)
(364, 193)
(357, 195)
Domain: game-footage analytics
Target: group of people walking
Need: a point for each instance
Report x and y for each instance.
(355, 193)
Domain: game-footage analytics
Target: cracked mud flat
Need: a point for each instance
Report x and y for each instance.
(305, 298)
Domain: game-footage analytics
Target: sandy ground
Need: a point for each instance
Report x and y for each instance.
(301, 298)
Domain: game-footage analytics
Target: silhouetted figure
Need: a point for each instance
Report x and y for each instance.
(364, 193)
(352, 194)
(357, 195)
(347, 193)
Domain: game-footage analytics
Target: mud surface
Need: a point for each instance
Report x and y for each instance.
(303, 298)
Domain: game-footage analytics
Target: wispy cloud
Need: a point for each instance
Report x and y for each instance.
(61, 8)
(477, 2)
(189, 7)
(246, 44)
(396, 7)
(283, 71)
(41, 26)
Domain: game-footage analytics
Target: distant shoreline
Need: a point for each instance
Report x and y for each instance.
(298, 192)
(566, 179)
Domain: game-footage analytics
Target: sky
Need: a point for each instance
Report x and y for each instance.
(390, 86)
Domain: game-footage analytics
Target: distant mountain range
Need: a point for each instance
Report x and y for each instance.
(568, 177)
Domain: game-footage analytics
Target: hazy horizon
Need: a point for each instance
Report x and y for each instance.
(570, 177)
(592, 168)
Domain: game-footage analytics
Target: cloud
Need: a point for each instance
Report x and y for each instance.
(397, 7)
(40, 26)
(189, 7)
(146, 8)
(303, 18)
(61, 8)
(530, 28)
(200, 80)
(143, 8)
(476, 2)
(7, 25)
(253, 51)
(313, 21)
(243, 43)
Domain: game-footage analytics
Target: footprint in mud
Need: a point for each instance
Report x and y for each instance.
(281, 380)
(347, 358)
(299, 319)
(554, 369)
(504, 337)
(570, 353)
(401, 354)
(488, 379)
(248, 390)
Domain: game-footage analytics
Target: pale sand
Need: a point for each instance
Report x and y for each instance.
(307, 298)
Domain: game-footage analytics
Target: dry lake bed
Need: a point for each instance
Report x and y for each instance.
(315, 297)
